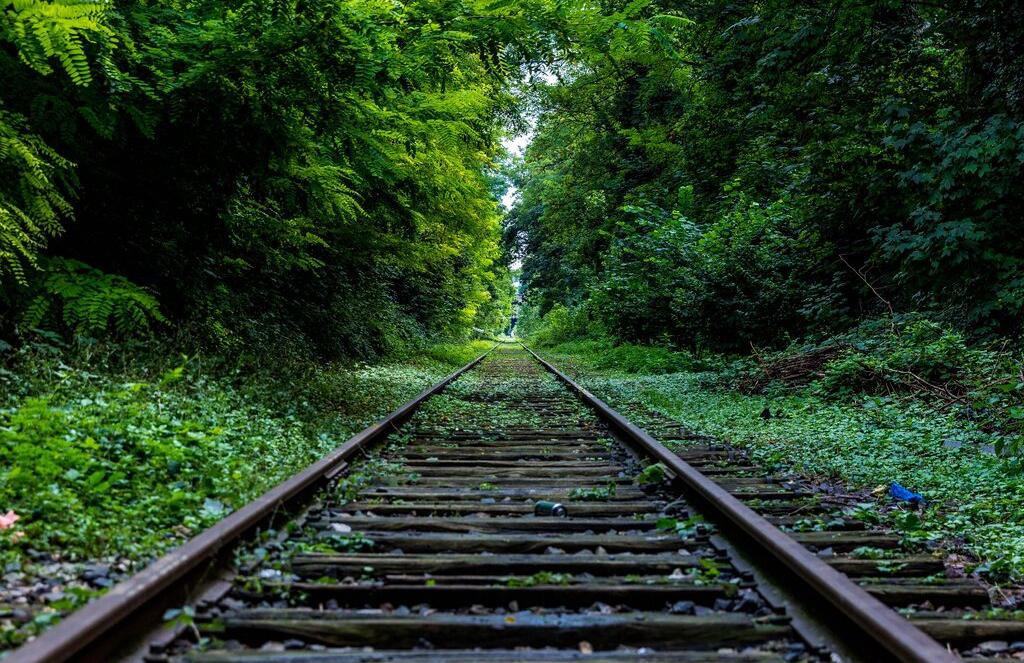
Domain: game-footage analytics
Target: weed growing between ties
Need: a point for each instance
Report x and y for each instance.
(596, 494)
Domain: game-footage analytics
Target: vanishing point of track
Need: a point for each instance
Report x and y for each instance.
(421, 539)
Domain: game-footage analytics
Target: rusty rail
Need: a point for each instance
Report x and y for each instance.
(75, 634)
(894, 633)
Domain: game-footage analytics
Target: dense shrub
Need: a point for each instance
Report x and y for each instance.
(269, 170)
(770, 178)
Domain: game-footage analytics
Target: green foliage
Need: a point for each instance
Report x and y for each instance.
(106, 457)
(354, 542)
(652, 475)
(945, 452)
(685, 529)
(453, 354)
(913, 355)
(31, 206)
(47, 30)
(561, 324)
(540, 578)
(32, 202)
(89, 302)
(631, 358)
(758, 174)
(879, 360)
(595, 494)
(320, 172)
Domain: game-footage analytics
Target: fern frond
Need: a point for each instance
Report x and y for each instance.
(31, 208)
(88, 301)
(56, 29)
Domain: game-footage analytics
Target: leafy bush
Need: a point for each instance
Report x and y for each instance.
(630, 358)
(912, 350)
(921, 356)
(453, 354)
(86, 301)
(33, 200)
(562, 324)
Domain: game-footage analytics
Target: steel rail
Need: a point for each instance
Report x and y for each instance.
(895, 634)
(72, 636)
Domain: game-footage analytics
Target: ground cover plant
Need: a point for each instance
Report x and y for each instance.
(108, 463)
(967, 466)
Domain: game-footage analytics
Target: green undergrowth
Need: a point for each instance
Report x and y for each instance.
(101, 458)
(867, 440)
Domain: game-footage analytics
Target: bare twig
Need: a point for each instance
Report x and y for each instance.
(888, 304)
(938, 390)
(757, 356)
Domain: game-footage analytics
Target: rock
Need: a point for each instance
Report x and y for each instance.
(994, 647)
(724, 605)
(94, 571)
(748, 602)
(294, 644)
(952, 444)
(682, 608)
(51, 570)
(272, 646)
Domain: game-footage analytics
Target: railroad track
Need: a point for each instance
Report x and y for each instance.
(434, 536)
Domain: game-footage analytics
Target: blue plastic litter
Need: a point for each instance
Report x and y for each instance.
(900, 493)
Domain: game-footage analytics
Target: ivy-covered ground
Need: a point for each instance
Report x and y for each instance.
(104, 465)
(975, 498)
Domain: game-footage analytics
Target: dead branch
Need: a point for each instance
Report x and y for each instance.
(888, 304)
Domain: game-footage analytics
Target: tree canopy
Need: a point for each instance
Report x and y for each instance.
(756, 171)
(709, 173)
(266, 169)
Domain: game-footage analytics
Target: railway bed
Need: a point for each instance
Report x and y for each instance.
(427, 538)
